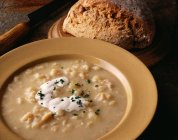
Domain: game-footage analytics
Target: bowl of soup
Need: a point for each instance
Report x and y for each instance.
(72, 88)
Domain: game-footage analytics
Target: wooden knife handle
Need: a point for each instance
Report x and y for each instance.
(10, 38)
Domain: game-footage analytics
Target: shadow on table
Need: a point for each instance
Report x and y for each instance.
(165, 122)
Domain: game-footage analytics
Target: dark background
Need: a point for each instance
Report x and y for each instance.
(164, 125)
(165, 121)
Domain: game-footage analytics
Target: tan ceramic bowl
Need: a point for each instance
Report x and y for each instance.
(139, 84)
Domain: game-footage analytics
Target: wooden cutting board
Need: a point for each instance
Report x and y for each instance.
(149, 56)
(13, 12)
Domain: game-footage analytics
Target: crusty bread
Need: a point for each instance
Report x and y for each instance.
(127, 23)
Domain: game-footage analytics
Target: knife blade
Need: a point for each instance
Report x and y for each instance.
(11, 37)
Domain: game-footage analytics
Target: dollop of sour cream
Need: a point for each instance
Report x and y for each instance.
(45, 97)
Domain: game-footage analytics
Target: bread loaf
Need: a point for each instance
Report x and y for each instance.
(127, 23)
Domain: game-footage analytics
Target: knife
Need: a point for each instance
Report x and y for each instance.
(9, 39)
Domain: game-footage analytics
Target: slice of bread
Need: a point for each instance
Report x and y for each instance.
(127, 23)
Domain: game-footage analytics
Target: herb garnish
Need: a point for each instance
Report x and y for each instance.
(77, 84)
(41, 95)
(62, 81)
(73, 91)
(88, 81)
(79, 102)
(77, 97)
(97, 111)
(86, 96)
(56, 82)
(72, 99)
(82, 93)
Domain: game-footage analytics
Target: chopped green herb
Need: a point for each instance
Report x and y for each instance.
(72, 99)
(86, 95)
(77, 97)
(62, 81)
(97, 111)
(88, 81)
(77, 84)
(82, 93)
(41, 95)
(56, 82)
(79, 102)
(73, 91)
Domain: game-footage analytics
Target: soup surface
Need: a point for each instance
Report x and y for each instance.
(86, 104)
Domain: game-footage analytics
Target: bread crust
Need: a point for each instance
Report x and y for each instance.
(127, 23)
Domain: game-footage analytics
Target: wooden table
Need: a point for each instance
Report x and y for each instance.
(165, 122)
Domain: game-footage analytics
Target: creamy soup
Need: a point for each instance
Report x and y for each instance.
(64, 99)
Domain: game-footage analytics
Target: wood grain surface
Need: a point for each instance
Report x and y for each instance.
(164, 125)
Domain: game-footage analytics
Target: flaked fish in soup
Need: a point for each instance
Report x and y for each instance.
(64, 99)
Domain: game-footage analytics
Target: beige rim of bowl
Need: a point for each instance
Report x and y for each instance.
(141, 85)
